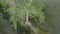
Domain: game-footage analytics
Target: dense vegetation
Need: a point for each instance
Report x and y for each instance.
(25, 15)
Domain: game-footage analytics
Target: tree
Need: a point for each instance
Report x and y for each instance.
(25, 13)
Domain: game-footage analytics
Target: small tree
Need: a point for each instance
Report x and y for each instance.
(27, 13)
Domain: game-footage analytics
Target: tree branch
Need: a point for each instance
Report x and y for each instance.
(29, 24)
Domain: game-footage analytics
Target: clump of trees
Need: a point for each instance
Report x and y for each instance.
(25, 15)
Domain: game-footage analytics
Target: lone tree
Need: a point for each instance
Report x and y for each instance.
(25, 13)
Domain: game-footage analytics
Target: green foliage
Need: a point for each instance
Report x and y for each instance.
(18, 8)
(32, 7)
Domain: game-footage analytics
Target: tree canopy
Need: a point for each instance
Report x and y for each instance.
(27, 14)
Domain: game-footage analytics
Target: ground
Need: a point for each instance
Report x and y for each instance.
(53, 16)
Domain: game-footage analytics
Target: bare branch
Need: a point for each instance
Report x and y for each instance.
(29, 24)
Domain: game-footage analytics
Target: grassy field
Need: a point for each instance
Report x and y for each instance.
(53, 16)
